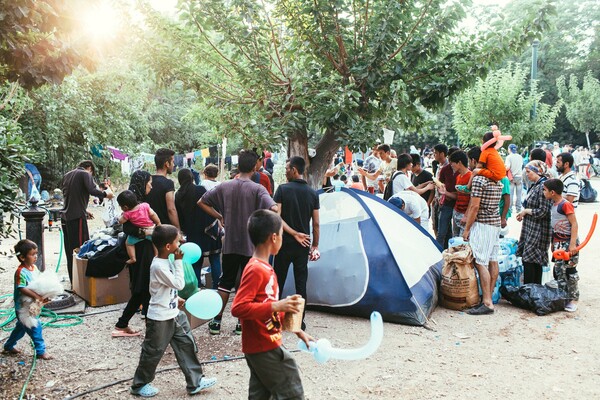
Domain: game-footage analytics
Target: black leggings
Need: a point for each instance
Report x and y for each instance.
(532, 272)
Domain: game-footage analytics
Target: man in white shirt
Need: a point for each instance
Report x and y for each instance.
(514, 164)
(564, 165)
(413, 205)
(401, 179)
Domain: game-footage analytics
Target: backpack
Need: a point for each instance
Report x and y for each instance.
(587, 194)
(389, 188)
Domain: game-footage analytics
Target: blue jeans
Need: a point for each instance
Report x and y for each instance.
(34, 333)
(444, 232)
(215, 269)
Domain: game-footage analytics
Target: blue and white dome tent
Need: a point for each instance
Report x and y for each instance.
(373, 258)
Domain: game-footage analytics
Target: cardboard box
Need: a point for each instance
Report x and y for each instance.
(194, 322)
(100, 291)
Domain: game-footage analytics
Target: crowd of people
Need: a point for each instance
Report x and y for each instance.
(471, 193)
(248, 226)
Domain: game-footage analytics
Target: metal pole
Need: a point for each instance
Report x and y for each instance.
(534, 56)
(34, 230)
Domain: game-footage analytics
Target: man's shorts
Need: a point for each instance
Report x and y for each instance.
(483, 239)
(232, 265)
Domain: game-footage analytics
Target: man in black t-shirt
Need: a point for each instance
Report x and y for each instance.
(298, 204)
(162, 196)
(421, 177)
(77, 186)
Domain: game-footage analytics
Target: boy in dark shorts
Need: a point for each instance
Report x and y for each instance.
(564, 237)
(273, 371)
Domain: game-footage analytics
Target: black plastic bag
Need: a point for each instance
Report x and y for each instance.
(587, 194)
(538, 298)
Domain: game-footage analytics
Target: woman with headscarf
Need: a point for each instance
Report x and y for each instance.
(139, 272)
(536, 232)
(199, 227)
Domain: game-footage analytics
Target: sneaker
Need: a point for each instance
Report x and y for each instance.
(205, 383)
(238, 328)
(214, 327)
(571, 307)
(553, 284)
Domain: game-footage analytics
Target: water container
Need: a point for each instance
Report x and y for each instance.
(456, 241)
(512, 261)
(512, 277)
(547, 275)
(496, 293)
(503, 263)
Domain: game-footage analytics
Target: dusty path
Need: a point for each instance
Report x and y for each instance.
(511, 355)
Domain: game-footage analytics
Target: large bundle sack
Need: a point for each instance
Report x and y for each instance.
(459, 283)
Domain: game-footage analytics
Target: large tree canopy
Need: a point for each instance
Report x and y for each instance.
(582, 104)
(334, 72)
(34, 42)
(502, 98)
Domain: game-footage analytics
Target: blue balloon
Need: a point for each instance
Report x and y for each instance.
(205, 304)
(191, 252)
(322, 350)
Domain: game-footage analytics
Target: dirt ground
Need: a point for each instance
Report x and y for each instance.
(512, 354)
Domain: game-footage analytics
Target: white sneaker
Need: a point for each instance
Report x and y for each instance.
(552, 284)
(205, 383)
(571, 307)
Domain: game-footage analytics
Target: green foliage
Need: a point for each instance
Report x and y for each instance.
(570, 47)
(332, 73)
(502, 98)
(33, 51)
(582, 104)
(15, 151)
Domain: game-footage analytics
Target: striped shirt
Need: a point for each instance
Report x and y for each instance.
(489, 192)
(571, 186)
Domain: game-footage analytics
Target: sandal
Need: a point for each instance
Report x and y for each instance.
(13, 351)
(45, 356)
(125, 332)
(145, 391)
(481, 309)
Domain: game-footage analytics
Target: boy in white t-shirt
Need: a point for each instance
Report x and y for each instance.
(166, 323)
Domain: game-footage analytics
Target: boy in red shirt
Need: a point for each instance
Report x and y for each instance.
(273, 371)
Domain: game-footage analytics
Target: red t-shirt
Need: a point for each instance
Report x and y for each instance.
(261, 328)
(264, 180)
(462, 199)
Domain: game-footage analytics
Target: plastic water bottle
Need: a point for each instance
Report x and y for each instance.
(456, 241)
(546, 274)
(503, 263)
(496, 293)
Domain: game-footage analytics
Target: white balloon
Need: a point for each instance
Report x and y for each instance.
(322, 350)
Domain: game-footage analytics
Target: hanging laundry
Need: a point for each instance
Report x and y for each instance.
(189, 156)
(178, 160)
(116, 153)
(198, 153)
(205, 153)
(214, 151)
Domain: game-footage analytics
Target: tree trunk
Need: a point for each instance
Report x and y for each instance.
(317, 165)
